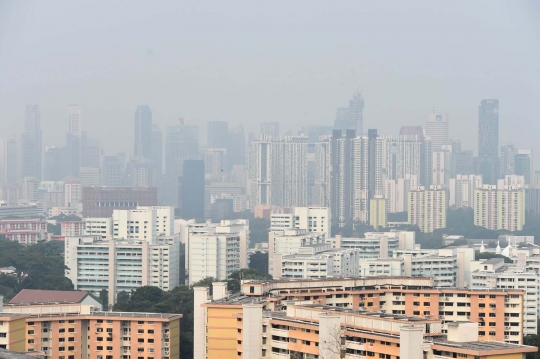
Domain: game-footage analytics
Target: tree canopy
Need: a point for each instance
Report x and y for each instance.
(37, 266)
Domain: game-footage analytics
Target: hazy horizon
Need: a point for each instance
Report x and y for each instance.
(246, 63)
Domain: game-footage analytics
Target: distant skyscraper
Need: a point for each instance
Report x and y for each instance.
(356, 106)
(464, 162)
(351, 117)
(143, 132)
(8, 161)
(487, 162)
(31, 144)
(192, 189)
(217, 133)
(278, 171)
(437, 129)
(236, 150)
(507, 164)
(90, 151)
(112, 173)
(157, 149)
(270, 128)
(181, 143)
(524, 165)
(75, 120)
(488, 128)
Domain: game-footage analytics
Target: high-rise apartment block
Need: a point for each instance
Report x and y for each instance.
(270, 129)
(427, 208)
(313, 219)
(378, 212)
(500, 207)
(121, 265)
(277, 171)
(215, 249)
(461, 190)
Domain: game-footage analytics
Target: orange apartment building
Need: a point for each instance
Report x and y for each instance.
(498, 312)
(105, 335)
(270, 326)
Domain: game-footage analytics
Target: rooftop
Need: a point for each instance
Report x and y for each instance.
(480, 346)
(34, 296)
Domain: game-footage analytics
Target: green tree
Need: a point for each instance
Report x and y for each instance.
(104, 298)
(122, 297)
(259, 262)
(233, 284)
(258, 230)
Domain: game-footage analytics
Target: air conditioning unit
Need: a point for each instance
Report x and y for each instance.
(508, 328)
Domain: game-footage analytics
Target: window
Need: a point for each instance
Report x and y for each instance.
(72, 330)
(140, 331)
(140, 322)
(30, 332)
(109, 348)
(61, 340)
(109, 330)
(140, 340)
(62, 349)
(150, 331)
(71, 321)
(71, 348)
(71, 339)
(150, 340)
(3, 335)
(99, 339)
(140, 350)
(99, 348)
(100, 320)
(30, 341)
(109, 321)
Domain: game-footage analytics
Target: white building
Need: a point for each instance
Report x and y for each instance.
(313, 219)
(461, 190)
(397, 193)
(427, 208)
(496, 274)
(392, 267)
(72, 192)
(450, 267)
(99, 227)
(317, 261)
(215, 249)
(441, 167)
(289, 241)
(143, 223)
(121, 265)
(377, 245)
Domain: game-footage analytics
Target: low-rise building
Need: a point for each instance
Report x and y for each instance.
(24, 231)
(72, 228)
(317, 261)
(98, 227)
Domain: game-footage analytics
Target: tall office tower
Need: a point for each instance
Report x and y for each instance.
(397, 193)
(140, 173)
(323, 174)
(75, 120)
(143, 132)
(217, 134)
(270, 129)
(277, 171)
(90, 151)
(181, 143)
(488, 128)
(157, 149)
(351, 117)
(192, 189)
(464, 162)
(488, 141)
(112, 171)
(31, 144)
(215, 162)
(499, 207)
(427, 208)
(524, 164)
(236, 149)
(437, 129)
(462, 189)
(507, 161)
(356, 106)
(73, 154)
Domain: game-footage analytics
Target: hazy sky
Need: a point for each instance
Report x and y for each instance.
(248, 62)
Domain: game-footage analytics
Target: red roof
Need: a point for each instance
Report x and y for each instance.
(30, 296)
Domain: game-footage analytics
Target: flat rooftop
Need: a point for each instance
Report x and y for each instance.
(365, 312)
(480, 345)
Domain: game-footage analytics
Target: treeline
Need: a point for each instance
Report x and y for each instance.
(37, 266)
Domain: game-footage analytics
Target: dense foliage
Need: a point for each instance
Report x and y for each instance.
(258, 230)
(38, 266)
(259, 262)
